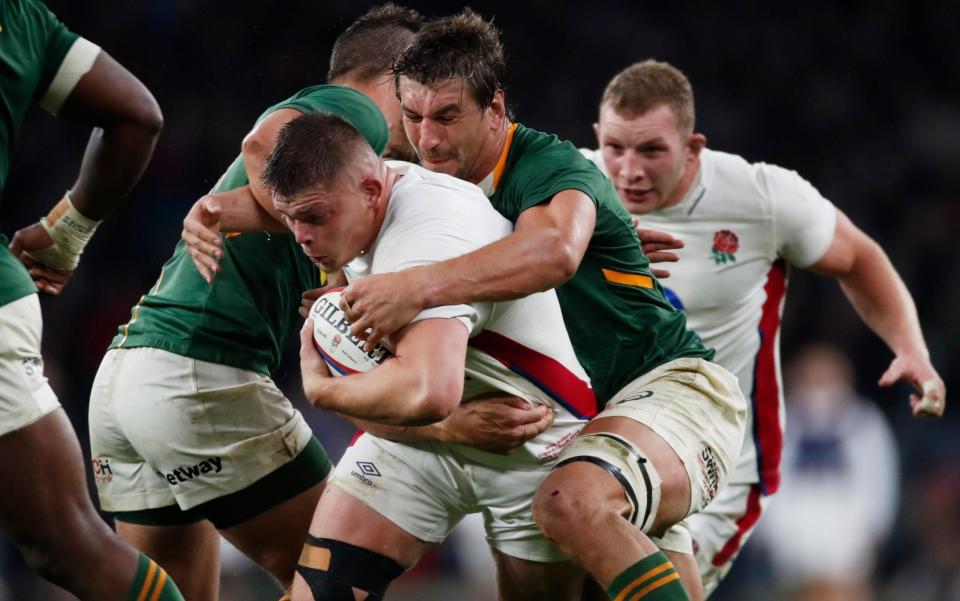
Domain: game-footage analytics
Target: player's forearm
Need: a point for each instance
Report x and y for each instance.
(115, 158)
(882, 300)
(240, 212)
(392, 394)
(527, 261)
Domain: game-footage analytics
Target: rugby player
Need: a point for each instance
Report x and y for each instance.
(743, 224)
(189, 434)
(673, 421)
(46, 508)
(389, 501)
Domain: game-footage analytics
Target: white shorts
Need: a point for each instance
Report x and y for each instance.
(721, 530)
(168, 429)
(697, 407)
(426, 488)
(25, 395)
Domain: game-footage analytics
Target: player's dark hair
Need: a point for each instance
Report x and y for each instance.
(372, 43)
(311, 149)
(463, 45)
(645, 85)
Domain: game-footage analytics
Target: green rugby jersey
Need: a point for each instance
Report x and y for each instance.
(618, 318)
(244, 317)
(33, 44)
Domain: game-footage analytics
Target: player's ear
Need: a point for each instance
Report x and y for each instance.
(498, 109)
(596, 132)
(371, 187)
(695, 143)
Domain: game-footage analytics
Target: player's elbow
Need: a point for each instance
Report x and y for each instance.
(436, 398)
(144, 112)
(562, 256)
(254, 145)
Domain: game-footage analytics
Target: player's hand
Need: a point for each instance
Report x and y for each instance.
(201, 233)
(382, 303)
(34, 237)
(656, 245)
(312, 367)
(498, 424)
(309, 297)
(916, 369)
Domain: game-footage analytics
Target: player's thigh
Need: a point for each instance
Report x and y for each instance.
(675, 483)
(274, 538)
(44, 490)
(25, 395)
(343, 517)
(524, 580)
(696, 409)
(190, 553)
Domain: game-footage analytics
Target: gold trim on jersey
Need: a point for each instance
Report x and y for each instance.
(628, 279)
(490, 183)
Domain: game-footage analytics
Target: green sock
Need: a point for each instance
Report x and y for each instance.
(152, 583)
(653, 578)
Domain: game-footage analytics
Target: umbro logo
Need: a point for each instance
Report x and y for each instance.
(368, 468)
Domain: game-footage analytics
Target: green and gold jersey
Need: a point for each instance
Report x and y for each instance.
(618, 318)
(33, 44)
(245, 316)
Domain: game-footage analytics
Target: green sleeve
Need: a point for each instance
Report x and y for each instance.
(52, 38)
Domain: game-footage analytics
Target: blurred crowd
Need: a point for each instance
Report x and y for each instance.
(861, 99)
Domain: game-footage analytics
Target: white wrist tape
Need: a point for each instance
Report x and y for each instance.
(70, 231)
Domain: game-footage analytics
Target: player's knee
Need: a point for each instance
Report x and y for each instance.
(49, 560)
(632, 489)
(557, 507)
(332, 569)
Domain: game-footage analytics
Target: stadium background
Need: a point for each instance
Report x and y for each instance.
(860, 98)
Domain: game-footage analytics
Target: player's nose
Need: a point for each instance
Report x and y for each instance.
(430, 135)
(631, 167)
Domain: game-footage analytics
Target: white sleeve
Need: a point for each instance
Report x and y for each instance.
(803, 220)
(78, 60)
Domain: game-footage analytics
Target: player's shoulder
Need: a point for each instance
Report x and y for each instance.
(740, 182)
(421, 191)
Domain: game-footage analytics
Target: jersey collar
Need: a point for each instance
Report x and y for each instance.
(490, 183)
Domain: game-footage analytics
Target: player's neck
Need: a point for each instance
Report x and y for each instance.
(686, 182)
(490, 154)
(389, 181)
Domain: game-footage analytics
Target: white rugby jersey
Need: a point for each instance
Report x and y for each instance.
(519, 347)
(742, 223)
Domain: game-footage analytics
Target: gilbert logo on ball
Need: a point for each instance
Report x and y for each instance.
(342, 351)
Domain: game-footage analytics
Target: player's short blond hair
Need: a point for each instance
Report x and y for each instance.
(644, 85)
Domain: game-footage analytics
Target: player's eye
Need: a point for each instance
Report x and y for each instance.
(412, 118)
(616, 148)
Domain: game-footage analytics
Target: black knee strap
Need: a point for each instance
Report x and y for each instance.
(332, 569)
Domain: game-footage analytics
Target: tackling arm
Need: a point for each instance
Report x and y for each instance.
(544, 251)
(879, 296)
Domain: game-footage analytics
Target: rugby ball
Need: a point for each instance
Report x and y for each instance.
(342, 351)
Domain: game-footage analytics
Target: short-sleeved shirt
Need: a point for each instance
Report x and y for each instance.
(34, 48)
(520, 347)
(244, 317)
(619, 320)
(742, 223)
